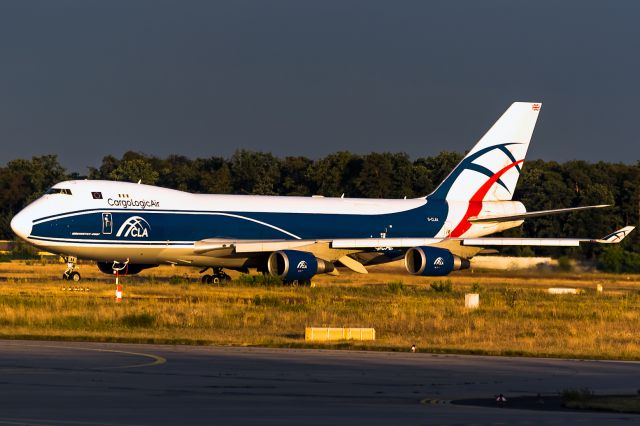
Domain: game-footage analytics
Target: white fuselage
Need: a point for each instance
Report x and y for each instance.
(107, 221)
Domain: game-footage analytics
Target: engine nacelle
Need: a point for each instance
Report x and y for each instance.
(433, 261)
(293, 265)
(131, 269)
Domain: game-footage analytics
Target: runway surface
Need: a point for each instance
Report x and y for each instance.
(59, 383)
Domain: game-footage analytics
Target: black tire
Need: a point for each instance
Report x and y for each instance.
(74, 276)
(65, 276)
(215, 280)
(206, 279)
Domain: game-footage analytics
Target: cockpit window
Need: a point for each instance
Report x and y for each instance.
(64, 191)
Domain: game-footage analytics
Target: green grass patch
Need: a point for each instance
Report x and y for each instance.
(141, 320)
(442, 286)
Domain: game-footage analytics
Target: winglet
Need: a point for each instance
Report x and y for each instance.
(616, 237)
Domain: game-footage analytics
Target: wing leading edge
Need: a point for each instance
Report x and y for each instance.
(614, 237)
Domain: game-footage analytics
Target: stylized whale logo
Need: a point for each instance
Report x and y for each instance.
(135, 226)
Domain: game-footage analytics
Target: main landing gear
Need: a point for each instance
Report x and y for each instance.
(71, 274)
(218, 276)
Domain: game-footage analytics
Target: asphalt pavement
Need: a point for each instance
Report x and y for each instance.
(65, 383)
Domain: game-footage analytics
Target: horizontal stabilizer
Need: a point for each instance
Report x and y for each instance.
(522, 216)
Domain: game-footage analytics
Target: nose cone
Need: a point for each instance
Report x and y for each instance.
(21, 225)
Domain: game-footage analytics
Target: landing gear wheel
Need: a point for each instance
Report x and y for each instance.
(71, 274)
(218, 277)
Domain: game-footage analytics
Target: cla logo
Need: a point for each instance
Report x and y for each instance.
(438, 262)
(135, 226)
(302, 265)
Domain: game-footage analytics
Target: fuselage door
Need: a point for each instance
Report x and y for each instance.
(107, 223)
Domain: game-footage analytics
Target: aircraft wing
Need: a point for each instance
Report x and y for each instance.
(614, 237)
(522, 216)
(348, 251)
(353, 245)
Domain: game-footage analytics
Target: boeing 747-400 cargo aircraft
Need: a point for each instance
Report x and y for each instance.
(134, 226)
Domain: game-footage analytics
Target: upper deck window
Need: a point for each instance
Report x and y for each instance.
(64, 191)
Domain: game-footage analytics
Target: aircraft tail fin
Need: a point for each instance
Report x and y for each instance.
(490, 171)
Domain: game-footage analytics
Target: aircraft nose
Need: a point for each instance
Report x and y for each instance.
(21, 225)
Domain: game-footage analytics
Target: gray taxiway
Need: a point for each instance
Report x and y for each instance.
(62, 383)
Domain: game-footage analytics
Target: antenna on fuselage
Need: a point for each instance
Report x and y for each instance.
(139, 181)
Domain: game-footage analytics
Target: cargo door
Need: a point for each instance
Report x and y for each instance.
(107, 223)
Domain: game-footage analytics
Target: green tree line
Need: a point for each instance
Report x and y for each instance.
(543, 185)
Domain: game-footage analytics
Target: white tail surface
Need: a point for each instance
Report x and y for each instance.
(490, 171)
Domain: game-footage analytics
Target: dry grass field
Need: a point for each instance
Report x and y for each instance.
(169, 305)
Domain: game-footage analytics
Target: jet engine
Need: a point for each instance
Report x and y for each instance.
(433, 261)
(131, 269)
(292, 265)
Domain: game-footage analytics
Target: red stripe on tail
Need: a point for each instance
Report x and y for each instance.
(475, 204)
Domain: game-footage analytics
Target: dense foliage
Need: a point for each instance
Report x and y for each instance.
(543, 185)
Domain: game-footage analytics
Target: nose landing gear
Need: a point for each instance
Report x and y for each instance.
(218, 276)
(71, 274)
